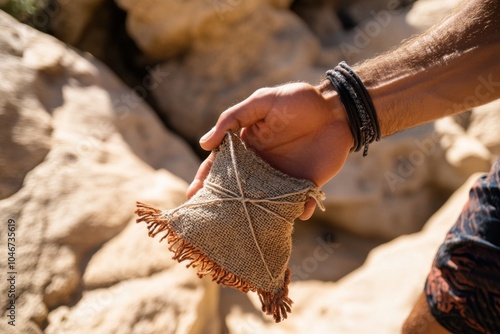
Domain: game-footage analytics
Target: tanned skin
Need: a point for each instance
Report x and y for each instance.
(303, 130)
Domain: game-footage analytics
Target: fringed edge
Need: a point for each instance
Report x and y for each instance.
(276, 303)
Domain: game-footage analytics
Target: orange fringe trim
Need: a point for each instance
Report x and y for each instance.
(275, 304)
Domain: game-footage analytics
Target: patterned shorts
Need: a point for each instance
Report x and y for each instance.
(463, 287)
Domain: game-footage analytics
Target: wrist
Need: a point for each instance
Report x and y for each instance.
(331, 97)
(337, 111)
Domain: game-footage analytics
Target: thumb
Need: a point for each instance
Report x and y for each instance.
(206, 140)
(214, 137)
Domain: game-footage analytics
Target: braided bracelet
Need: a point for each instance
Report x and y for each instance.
(358, 105)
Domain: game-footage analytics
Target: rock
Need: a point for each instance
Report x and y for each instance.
(383, 30)
(321, 17)
(362, 10)
(24, 328)
(26, 127)
(173, 301)
(322, 252)
(425, 13)
(388, 193)
(467, 155)
(364, 301)
(164, 304)
(195, 94)
(78, 149)
(163, 29)
(231, 36)
(469, 142)
(117, 261)
(68, 19)
(167, 28)
(485, 126)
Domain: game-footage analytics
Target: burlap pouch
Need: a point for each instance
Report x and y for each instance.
(238, 227)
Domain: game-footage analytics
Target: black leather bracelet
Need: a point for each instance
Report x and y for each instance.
(367, 132)
(358, 105)
(350, 111)
(366, 99)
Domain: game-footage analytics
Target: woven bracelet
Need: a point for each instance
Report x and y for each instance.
(366, 98)
(358, 105)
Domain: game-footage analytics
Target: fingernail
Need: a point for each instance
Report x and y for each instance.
(208, 134)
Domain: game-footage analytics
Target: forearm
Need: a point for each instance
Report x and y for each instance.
(451, 68)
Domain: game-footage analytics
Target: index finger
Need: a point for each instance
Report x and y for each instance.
(243, 114)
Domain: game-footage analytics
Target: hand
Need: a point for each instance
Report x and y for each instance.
(299, 129)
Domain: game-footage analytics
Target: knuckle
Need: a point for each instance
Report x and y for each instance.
(261, 92)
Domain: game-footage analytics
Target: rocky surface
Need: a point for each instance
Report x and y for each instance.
(484, 125)
(195, 94)
(69, 18)
(388, 193)
(78, 149)
(322, 18)
(167, 28)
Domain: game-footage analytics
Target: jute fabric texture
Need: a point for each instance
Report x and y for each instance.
(238, 227)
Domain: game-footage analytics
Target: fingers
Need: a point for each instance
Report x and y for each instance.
(200, 177)
(241, 115)
(309, 208)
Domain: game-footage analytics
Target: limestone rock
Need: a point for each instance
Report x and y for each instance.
(163, 29)
(365, 301)
(131, 254)
(69, 19)
(468, 155)
(470, 144)
(24, 328)
(25, 134)
(195, 94)
(78, 149)
(167, 302)
(425, 13)
(321, 17)
(388, 193)
(485, 126)
(362, 10)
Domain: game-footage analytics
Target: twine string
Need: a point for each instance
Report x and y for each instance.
(242, 199)
(229, 195)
